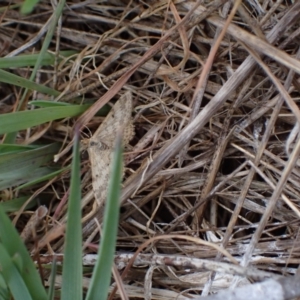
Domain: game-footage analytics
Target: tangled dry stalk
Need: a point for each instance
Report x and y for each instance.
(213, 167)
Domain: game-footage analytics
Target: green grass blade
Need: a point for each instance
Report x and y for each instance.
(24, 180)
(28, 6)
(54, 19)
(15, 165)
(12, 276)
(29, 60)
(22, 167)
(4, 292)
(49, 175)
(15, 204)
(102, 273)
(16, 80)
(16, 121)
(45, 103)
(13, 244)
(10, 137)
(72, 266)
(11, 148)
(51, 290)
(55, 16)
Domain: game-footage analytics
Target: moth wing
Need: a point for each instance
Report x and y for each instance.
(119, 117)
(102, 143)
(100, 165)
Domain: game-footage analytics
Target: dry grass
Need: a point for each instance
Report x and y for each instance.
(214, 160)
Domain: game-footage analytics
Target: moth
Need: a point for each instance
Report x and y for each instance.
(101, 144)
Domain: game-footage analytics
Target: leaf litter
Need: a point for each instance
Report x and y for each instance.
(214, 157)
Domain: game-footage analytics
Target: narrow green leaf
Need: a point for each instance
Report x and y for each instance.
(49, 174)
(13, 79)
(25, 180)
(54, 19)
(51, 290)
(10, 137)
(29, 60)
(11, 148)
(4, 292)
(12, 276)
(72, 267)
(28, 6)
(45, 103)
(13, 245)
(16, 121)
(15, 165)
(101, 277)
(15, 204)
